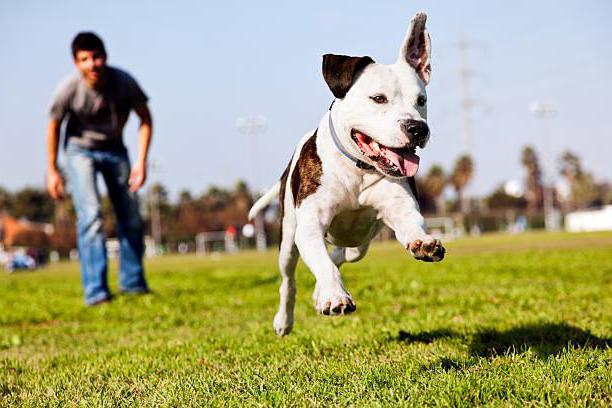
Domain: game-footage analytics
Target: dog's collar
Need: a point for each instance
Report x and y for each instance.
(334, 135)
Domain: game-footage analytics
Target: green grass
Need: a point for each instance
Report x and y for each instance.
(521, 320)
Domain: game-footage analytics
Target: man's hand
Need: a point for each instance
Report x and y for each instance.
(138, 176)
(55, 184)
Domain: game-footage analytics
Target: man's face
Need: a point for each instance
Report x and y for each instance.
(91, 64)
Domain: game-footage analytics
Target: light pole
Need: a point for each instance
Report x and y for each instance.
(252, 127)
(551, 217)
(154, 208)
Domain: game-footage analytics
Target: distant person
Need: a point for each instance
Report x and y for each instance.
(96, 101)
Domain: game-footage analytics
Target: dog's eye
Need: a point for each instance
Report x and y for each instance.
(379, 98)
(421, 100)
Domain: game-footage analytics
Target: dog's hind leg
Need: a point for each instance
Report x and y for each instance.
(287, 261)
(338, 255)
(341, 255)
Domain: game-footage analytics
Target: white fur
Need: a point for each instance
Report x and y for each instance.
(350, 205)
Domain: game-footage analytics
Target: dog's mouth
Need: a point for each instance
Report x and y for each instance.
(393, 161)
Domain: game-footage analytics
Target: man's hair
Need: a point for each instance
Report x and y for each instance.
(87, 41)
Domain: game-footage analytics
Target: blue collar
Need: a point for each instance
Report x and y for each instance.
(334, 135)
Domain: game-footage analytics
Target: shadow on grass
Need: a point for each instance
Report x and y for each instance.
(543, 339)
(425, 337)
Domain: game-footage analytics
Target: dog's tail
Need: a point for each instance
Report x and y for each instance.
(264, 200)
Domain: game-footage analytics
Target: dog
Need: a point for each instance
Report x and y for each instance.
(354, 173)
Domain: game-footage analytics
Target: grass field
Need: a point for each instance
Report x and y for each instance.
(520, 320)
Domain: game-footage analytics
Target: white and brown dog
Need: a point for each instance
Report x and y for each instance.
(355, 173)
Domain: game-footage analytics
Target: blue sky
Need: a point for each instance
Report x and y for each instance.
(205, 64)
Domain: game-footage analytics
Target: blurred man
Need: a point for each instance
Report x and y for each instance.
(96, 101)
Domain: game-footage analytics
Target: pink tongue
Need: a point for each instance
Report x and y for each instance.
(407, 162)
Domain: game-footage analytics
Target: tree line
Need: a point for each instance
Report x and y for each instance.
(575, 188)
(217, 208)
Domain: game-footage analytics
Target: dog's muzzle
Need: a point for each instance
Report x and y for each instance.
(417, 131)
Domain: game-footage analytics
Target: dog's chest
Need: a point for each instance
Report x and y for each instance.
(351, 228)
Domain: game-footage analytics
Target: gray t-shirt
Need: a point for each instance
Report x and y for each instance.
(96, 117)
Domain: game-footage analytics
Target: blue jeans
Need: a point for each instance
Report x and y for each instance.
(82, 167)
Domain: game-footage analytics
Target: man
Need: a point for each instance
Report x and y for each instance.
(96, 101)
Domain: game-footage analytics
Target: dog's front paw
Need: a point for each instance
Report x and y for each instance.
(333, 300)
(428, 250)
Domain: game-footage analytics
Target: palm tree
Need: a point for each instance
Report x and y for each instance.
(583, 187)
(533, 181)
(460, 177)
(435, 182)
(570, 165)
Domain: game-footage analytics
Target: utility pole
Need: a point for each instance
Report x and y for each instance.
(551, 216)
(154, 207)
(155, 219)
(467, 103)
(253, 127)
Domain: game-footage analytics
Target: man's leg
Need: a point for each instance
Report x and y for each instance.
(81, 172)
(116, 171)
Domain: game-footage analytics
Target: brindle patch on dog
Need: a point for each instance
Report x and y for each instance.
(306, 177)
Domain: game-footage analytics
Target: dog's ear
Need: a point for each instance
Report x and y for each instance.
(416, 49)
(340, 71)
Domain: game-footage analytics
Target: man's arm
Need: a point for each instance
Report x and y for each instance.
(138, 174)
(55, 184)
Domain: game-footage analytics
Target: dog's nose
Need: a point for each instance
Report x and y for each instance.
(417, 130)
